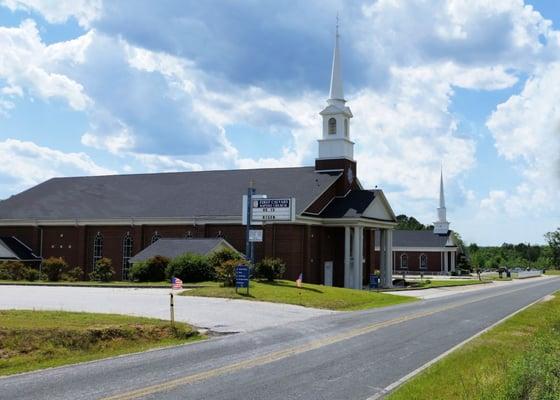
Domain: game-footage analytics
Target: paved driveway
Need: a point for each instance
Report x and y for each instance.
(221, 315)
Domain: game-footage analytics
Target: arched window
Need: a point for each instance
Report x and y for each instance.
(188, 235)
(97, 248)
(126, 255)
(404, 261)
(423, 261)
(346, 128)
(155, 237)
(332, 126)
(220, 234)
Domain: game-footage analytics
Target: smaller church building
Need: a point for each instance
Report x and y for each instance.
(430, 252)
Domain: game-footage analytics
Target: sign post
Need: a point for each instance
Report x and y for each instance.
(248, 244)
(242, 277)
(172, 309)
(265, 210)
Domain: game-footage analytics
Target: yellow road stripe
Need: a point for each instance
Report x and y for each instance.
(281, 354)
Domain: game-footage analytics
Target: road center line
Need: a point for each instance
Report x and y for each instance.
(282, 354)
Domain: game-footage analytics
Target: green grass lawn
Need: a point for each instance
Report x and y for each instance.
(518, 359)
(552, 272)
(31, 340)
(309, 295)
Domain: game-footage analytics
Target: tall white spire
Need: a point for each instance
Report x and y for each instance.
(441, 227)
(441, 193)
(337, 91)
(336, 143)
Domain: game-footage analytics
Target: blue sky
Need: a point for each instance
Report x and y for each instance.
(99, 87)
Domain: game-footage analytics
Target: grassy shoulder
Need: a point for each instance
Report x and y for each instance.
(31, 340)
(518, 359)
(317, 296)
(163, 284)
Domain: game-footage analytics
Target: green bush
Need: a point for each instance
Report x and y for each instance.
(13, 270)
(270, 269)
(32, 274)
(103, 270)
(225, 272)
(74, 274)
(190, 268)
(53, 268)
(226, 254)
(151, 270)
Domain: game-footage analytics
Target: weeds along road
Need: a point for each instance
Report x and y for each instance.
(351, 355)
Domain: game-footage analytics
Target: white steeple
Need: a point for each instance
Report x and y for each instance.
(336, 92)
(336, 142)
(441, 227)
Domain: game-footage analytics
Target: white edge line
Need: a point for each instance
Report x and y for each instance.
(410, 375)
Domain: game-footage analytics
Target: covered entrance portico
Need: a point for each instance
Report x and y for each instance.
(362, 215)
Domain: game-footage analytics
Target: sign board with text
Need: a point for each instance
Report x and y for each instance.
(242, 277)
(256, 235)
(273, 210)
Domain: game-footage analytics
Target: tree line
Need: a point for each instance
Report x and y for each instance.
(521, 255)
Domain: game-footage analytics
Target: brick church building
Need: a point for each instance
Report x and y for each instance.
(331, 240)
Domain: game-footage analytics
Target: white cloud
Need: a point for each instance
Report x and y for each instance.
(59, 11)
(26, 63)
(526, 129)
(30, 164)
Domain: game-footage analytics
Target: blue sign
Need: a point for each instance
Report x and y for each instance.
(242, 276)
(373, 281)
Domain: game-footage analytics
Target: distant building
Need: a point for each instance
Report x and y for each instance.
(331, 240)
(428, 251)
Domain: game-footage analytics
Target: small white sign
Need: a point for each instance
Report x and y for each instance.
(273, 209)
(255, 235)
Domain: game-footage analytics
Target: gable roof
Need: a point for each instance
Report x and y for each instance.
(419, 239)
(360, 204)
(162, 195)
(172, 248)
(11, 248)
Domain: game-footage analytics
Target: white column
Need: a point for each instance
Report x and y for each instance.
(386, 241)
(358, 257)
(382, 259)
(389, 258)
(347, 257)
(446, 262)
(453, 261)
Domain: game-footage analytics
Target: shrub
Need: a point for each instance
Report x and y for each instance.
(151, 270)
(190, 268)
(13, 270)
(103, 270)
(270, 269)
(32, 274)
(226, 254)
(225, 272)
(73, 275)
(53, 268)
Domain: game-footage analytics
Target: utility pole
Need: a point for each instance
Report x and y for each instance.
(248, 243)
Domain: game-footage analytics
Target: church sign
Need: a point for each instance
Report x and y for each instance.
(272, 210)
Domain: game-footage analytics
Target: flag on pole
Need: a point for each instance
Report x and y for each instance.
(176, 283)
(299, 280)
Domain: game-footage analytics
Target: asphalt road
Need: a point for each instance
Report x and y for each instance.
(339, 356)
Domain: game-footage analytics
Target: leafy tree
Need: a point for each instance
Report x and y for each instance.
(151, 270)
(410, 224)
(190, 267)
(553, 240)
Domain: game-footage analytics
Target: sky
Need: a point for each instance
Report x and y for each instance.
(134, 86)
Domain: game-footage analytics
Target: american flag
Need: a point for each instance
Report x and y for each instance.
(299, 280)
(176, 283)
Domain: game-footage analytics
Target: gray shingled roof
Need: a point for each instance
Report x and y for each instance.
(351, 206)
(172, 248)
(416, 239)
(162, 195)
